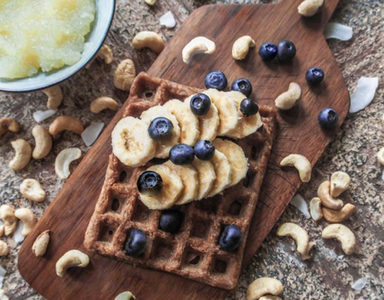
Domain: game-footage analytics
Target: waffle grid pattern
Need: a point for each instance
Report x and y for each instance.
(193, 252)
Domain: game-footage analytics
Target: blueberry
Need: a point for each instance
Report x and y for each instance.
(230, 238)
(160, 128)
(204, 149)
(149, 181)
(242, 85)
(200, 104)
(170, 220)
(268, 51)
(216, 80)
(181, 154)
(286, 50)
(248, 107)
(328, 118)
(135, 243)
(314, 75)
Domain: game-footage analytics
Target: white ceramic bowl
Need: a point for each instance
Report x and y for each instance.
(104, 14)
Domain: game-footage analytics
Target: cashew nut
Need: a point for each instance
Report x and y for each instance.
(1, 230)
(197, 45)
(39, 247)
(300, 235)
(28, 218)
(289, 98)
(55, 96)
(23, 153)
(32, 190)
(301, 163)
(339, 183)
(66, 123)
(102, 103)
(308, 8)
(106, 54)
(43, 142)
(124, 75)
(241, 47)
(72, 258)
(63, 161)
(270, 297)
(315, 209)
(264, 286)
(150, 2)
(380, 156)
(125, 296)
(7, 213)
(4, 249)
(336, 216)
(148, 39)
(323, 192)
(341, 233)
(8, 124)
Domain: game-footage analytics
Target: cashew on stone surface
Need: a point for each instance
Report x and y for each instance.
(68, 123)
(264, 286)
(43, 142)
(301, 163)
(324, 193)
(241, 47)
(288, 99)
(55, 96)
(31, 189)
(198, 45)
(150, 2)
(342, 233)
(7, 214)
(315, 209)
(4, 249)
(106, 54)
(300, 235)
(380, 156)
(8, 124)
(309, 8)
(28, 218)
(23, 153)
(40, 245)
(124, 75)
(148, 39)
(72, 258)
(63, 161)
(337, 216)
(269, 297)
(103, 103)
(339, 183)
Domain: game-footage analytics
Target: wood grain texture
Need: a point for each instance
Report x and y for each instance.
(68, 216)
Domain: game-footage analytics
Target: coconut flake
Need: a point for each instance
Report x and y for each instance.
(168, 20)
(338, 31)
(2, 274)
(92, 132)
(364, 93)
(359, 284)
(42, 115)
(299, 202)
(17, 236)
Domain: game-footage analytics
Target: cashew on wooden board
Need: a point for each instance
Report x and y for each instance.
(72, 258)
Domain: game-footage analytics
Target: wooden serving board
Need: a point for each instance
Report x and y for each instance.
(68, 216)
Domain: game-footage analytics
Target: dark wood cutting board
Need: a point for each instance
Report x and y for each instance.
(68, 216)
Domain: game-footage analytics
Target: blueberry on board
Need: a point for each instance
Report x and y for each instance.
(160, 128)
(181, 154)
(248, 107)
(230, 238)
(314, 75)
(170, 220)
(204, 149)
(268, 51)
(149, 181)
(242, 85)
(286, 51)
(328, 118)
(200, 104)
(135, 243)
(216, 80)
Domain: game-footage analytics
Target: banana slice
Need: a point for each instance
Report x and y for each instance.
(209, 123)
(229, 114)
(189, 177)
(223, 173)
(163, 146)
(188, 122)
(170, 191)
(236, 158)
(131, 142)
(207, 176)
(246, 125)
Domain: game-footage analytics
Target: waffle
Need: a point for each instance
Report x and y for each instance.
(193, 252)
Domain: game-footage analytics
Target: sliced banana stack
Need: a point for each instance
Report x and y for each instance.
(223, 172)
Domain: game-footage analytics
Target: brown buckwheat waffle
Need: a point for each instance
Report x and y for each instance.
(194, 251)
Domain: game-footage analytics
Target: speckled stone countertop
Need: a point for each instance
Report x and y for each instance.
(329, 274)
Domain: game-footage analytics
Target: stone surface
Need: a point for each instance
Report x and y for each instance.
(329, 274)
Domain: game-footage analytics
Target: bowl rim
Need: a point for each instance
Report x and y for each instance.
(75, 71)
